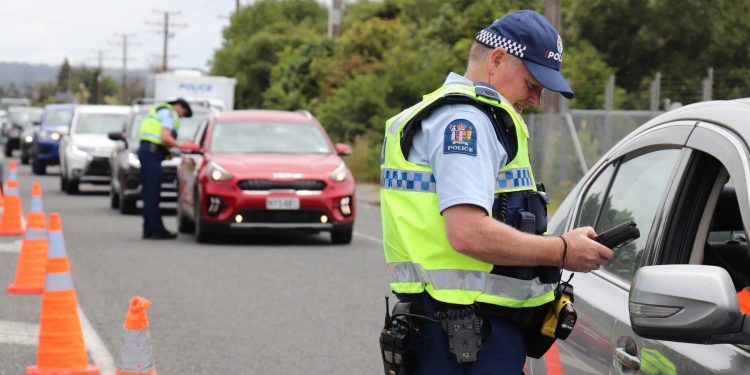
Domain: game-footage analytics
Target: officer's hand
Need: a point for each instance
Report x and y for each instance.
(585, 254)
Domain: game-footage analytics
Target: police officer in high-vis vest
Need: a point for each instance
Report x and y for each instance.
(463, 216)
(158, 134)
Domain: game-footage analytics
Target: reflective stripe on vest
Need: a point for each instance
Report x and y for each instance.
(478, 281)
(135, 357)
(514, 179)
(407, 180)
(58, 282)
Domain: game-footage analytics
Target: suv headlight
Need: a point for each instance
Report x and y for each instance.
(133, 160)
(47, 135)
(339, 174)
(216, 173)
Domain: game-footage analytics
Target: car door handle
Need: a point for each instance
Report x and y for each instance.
(630, 361)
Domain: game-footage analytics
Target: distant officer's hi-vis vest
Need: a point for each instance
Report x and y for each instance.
(416, 245)
(151, 127)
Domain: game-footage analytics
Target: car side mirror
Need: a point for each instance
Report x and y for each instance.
(115, 136)
(191, 148)
(687, 303)
(118, 136)
(343, 149)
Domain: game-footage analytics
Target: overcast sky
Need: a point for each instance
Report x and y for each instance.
(47, 31)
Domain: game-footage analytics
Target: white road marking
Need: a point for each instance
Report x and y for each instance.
(99, 353)
(10, 247)
(368, 237)
(18, 333)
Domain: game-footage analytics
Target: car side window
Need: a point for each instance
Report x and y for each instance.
(629, 189)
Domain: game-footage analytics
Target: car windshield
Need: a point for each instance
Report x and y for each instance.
(58, 117)
(99, 123)
(24, 116)
(187, 125)
(268, 137)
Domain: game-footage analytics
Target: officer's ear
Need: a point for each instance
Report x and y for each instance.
(496, 57)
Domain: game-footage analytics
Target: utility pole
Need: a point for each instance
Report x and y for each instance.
(335, 16)
(552, 11)
(236, 6)
(98, 78)
(167, 34)
(125, 58)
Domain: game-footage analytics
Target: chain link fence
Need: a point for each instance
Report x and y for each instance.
(564, 145)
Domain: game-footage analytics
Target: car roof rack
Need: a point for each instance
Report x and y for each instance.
(305, 112)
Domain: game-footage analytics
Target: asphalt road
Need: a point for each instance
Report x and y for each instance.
(288, 304)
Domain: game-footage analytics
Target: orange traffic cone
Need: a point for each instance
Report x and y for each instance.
(135, 357)
(12, 172)
(36, 198)
(61, 350)
(10, 222)
(30, 270)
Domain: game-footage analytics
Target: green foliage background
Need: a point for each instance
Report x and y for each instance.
(392, 52)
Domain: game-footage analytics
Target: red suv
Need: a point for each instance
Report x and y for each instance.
(265, 170)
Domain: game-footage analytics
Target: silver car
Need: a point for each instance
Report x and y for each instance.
(684, 178)
(85, 150)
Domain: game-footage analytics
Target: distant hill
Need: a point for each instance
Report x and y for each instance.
(22, 74)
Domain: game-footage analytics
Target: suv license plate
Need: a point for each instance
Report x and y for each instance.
(282, 203)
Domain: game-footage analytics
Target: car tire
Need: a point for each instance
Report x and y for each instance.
(63, 182)
(127, 205)
(38, 167)
(71, 186)
(8, 149)
(203, 234)
(184, 224)
(114, 199)
(24, 158)
(343, 235)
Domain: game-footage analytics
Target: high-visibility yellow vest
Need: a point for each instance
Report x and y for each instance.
(416, 245)
(151, 127)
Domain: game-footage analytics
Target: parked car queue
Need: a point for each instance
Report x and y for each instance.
(246, 171)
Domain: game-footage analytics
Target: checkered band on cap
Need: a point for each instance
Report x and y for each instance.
(493, 40)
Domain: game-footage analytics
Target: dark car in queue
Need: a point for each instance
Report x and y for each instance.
(19, 120)
(258, 170)
(43, 148)
(684, 179)
(125, 187)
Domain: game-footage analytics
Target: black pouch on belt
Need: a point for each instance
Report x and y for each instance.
(464, 330)
(549, 322)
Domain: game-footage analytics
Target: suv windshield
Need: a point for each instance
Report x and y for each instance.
(58, 117)
(99, 123)
(24, 116)
(268, 137)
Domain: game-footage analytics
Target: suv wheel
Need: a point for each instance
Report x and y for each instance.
(127, 205)
(38, 167)
(202, 233)
(8, 149)
(184, 224)
(343, 235)
(114, 199)
(71, 186)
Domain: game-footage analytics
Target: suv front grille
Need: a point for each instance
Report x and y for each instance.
(256, 185)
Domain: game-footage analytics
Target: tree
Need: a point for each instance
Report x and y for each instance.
(63, 77)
